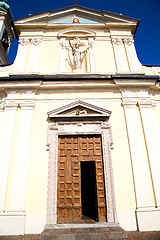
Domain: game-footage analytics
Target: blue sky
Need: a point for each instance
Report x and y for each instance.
(147, 38)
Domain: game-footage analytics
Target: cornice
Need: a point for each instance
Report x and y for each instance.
(77, 9)
(78, 81)
(119, 77)
(42, 26)
(135, 80)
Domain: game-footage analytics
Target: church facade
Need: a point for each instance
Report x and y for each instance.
(79, 124)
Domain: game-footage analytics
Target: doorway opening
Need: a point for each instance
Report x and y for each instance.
(89, 191)
(80, 186)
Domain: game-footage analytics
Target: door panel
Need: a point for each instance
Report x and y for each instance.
(72, 151)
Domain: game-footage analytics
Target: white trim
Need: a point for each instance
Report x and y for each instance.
(73, 128)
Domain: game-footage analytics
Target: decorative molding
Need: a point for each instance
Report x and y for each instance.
(23, 105)
(75, 20)
(68, 111)
(102, 38)
(86, 32)
(117, 41)
(120, 41)
(129, 99)
(108, 169)
(63, 44)
(146, 104)
(79, 112)
(130, 103)
(128, 41)
(24, 41)
(36, 41)
(10, 105)
(71, 127)
(2, 106)
(27, 105)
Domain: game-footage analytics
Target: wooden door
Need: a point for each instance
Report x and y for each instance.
(73, 150)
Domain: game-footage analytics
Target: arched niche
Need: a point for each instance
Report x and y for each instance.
(85, 37)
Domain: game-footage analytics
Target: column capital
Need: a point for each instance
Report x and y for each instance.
(36, 41)
(10, 105)
(117, 41)
(147, 104)
(128, 41)
(27, 105)
(1, 106)
(129, 103)
(24, 41)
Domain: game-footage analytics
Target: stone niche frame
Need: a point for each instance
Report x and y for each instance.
(71, 33)
(90, 120)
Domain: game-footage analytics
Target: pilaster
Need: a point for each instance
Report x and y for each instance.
(139, 161)
(120, 54)
(21, 58)
(151, 128)
(21, 155)
(34, 54)
(7, 123)
(134, 63)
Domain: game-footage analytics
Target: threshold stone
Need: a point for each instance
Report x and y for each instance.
(84, 233)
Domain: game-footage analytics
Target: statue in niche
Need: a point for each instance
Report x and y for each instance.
(77, 48)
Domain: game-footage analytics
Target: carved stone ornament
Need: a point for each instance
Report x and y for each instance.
(63, 44)
(91, 44)
(78, 110)
(128, 41)
(117, 41)
(77, 48)
(24, 41)
(36, 41)
(1, 106)
(75, 20)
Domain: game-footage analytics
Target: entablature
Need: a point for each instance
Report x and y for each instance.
(80, 81)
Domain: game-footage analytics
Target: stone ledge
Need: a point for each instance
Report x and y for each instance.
(21, 237)
(86, 233)
(132, 235)
(147, 235)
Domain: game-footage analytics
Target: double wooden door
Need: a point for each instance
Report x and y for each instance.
(72, 152)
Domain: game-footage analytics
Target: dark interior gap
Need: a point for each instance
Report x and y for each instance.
(89, 191)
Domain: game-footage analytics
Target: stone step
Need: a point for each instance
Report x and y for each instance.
(84, 233)
(132, 235)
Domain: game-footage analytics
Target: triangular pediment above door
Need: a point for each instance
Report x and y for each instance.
(79, 110)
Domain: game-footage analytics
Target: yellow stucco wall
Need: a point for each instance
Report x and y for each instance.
(108, 94)
(37, 178)
(49, 56)
(104, 56)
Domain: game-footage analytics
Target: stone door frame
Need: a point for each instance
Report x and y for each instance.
(79, 127)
